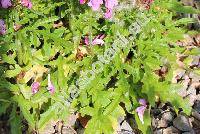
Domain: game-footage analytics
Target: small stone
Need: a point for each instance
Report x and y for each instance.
(194, 76)
(178, 74)
(68, 130)
(156, 112)
(120, 119)
(80, 131)
(71, 120)
(154, 123)
(182, 92)
(196, 115)
(195, 125)
(171, 130)
(192, 99)
(125, 126)
(191, 132)
(162, 123)
(195, 61)
(197, 106)
(168, 116)
(191, 90)
(182, 123)
(159, 131)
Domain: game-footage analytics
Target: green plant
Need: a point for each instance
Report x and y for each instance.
(40, 46)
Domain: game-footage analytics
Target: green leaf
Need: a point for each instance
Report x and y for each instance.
(25, 106)
(178, 7)
(15, 122)
(98, 125)
(47, 116)
(146, 127)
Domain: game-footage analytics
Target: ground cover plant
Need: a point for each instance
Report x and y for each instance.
(48, 50)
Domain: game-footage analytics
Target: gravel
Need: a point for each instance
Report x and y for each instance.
(182, 123)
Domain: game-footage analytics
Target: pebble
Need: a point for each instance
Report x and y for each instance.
(182, 92)
(168, 116)
(80, 131)
(162, 123)
(156, 112)
(68, 130)
(191, 90)
(197, 106)
(125, 126)
(195, 123)
(196, 115)
(159, 131)
(182, 123)
(170, 130)
(194, 76)
(154, 123)
(192, 99)
(120, 119)
(178, 74)
(191, 132)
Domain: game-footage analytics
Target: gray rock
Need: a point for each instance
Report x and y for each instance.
(80, 131)
(197, 106)
(171, 130)
(182, 91)
(182, 123)
(194, 76)
(168, 116)
(162, 123)
(125, 132)
(196, 115)
(191, 90)
(159, 131)
(120, 119)
(190, 132)
(125, 126)
(68, 130)
(192, 98)
(157, 112)
(154, 123)
(195, 61)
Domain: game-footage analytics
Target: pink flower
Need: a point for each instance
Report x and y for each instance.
(6, 3)
(98, 40)
(111, 3)
(140, 110)
(147, 3)
(26, 3)
(51, 87)
(35, 87)
(82, 1)
(86, 40)
(95, 4)
(2, 27)
(108, 13)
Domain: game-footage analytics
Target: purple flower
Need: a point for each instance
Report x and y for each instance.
(95, 4)
(108, 13)
(2, 27)
(51, 87)
(6, 3)
(140, 110)
(97, 40)
(35, 87)
(147, 3)
(111, 3)
(82, 1)
(26, 3)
